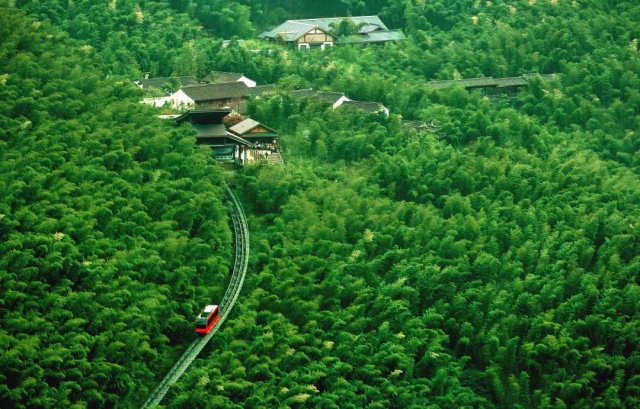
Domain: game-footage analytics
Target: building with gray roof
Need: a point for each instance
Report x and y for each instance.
(232, 94)
(376, 37)
(320, 32)
(494, 87)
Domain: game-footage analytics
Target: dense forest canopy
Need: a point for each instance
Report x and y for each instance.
(492, 264)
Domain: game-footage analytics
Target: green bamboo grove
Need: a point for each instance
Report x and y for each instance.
(491, 264)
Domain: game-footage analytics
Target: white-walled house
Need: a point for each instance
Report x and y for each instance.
(180, 99)
(320, 32)
(158, 102)
(231, 94)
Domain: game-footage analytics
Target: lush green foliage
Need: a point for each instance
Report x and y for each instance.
(112, 230)
(495, 265)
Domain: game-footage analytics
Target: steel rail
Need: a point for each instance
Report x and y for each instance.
(241, 261)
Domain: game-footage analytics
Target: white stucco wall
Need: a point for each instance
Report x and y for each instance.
(180, 99)
(247, 81)
(340, 101)
(157, 101)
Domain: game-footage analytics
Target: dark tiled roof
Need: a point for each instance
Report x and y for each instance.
(374, 37)
(303, 93)
(261, 89)
(511, 82)
(208, 92)
(208, 116)
(478, 82)
(485, 82)
(291, 30)
(209, 130)
(328, 97)
(465, 83)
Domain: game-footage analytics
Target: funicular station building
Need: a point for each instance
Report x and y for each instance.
(246, 142)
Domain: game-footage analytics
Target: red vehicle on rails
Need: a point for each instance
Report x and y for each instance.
(207, 319)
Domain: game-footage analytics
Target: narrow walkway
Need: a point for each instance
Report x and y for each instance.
(275, 159)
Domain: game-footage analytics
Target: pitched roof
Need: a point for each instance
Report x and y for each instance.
(511, 82)
(244, 126)
(261, 89)
(328, 97)
(209, 130)
(374, 37)
(481, 82)
(163, 82)
(241, 128)
(203, 116)
(291, 30)
(225, 90)
(240, 139)
(478, 82)
(217, 77)
(303, 93)
(465, 83)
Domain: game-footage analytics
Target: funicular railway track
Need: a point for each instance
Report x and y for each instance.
(241, 259)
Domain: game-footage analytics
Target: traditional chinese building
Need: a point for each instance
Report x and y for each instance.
(494, 87)
(320, 32)
(246, 142)
(209, 96)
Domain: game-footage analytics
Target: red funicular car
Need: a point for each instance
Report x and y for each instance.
(207, 319)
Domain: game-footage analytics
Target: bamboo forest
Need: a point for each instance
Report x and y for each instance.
(365, 203)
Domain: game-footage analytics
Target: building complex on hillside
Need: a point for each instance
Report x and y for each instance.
(246, 142)
(218, 89)
(338, 99)
(510, 86)
(321, 32)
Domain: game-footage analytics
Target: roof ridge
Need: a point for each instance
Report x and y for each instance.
(215, 84)
(322, 18)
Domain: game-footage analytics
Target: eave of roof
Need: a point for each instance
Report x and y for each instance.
(292, 30)
(511, 82)
(209, 130)
(225, 90)
(208, 116)
(241, 128)
(374, 37)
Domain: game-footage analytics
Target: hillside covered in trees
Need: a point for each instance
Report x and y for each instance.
(494, 264)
